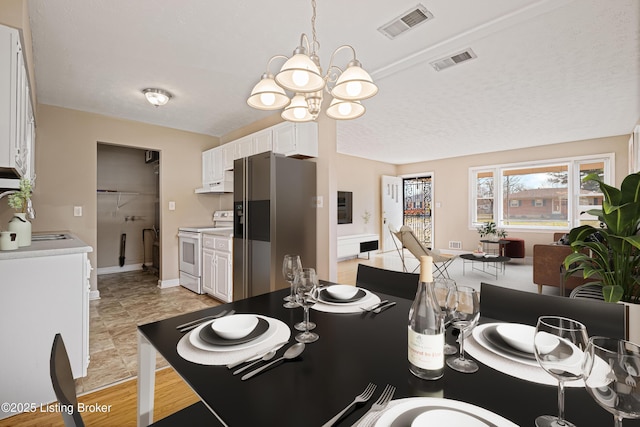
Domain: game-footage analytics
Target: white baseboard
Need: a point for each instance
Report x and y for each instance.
(94, 295)
(163, 284)
(118, 269)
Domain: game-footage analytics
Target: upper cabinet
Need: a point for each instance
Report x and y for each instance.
(291, 139)
(17, 126)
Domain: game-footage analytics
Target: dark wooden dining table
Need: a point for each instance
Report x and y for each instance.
(353, 350)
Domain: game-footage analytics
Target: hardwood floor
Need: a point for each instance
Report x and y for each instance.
(171, 395)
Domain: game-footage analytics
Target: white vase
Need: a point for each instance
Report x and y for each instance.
(22, 227)
(493, 237)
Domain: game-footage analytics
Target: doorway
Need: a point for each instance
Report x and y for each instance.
(418, 207)
(128, 209)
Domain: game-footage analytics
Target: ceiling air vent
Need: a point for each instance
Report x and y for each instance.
(406, 21)
(450, 61)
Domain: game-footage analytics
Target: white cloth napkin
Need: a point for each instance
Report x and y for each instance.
(203, 357)
(477, 347)
(353, 307)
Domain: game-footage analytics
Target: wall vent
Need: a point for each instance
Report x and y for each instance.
(452, 60)
(453, 244)
(406, 21)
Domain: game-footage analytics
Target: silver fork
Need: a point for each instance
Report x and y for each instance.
(379, 405)
(630, 371)
(361, 398)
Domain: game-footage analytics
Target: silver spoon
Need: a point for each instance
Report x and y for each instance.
(291, 353)
(268, 356)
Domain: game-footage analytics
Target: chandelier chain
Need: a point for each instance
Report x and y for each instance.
(315, 44)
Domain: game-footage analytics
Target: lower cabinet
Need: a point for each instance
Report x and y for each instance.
(217, 268)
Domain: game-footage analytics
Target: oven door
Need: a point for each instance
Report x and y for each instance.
(189, 250)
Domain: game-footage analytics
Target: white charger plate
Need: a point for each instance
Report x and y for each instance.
(482, 341)
(414, 405)
(196, 341)
(343, 304)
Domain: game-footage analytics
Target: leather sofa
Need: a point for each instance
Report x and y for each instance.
(548, 266)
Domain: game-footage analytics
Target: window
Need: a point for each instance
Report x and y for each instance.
(540, 195)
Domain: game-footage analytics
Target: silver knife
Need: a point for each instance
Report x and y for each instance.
(374, 306)
(190, 327)
(260, 354)
(384, 307)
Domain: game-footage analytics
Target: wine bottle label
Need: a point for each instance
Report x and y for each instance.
(426, 351)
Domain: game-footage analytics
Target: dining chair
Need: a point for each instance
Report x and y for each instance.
(408, 240)
(395, 283)
(511, 305)
(588, 290)
(65, 389)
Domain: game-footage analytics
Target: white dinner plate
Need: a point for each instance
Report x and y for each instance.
(343, 304)
(196, 341)
(404, 412)
(482, 341)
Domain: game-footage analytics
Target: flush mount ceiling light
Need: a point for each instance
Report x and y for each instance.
(302, 75)
(157, 97)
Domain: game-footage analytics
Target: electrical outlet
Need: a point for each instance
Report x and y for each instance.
(77, 211)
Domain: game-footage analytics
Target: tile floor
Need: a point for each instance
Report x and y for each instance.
(126, 300)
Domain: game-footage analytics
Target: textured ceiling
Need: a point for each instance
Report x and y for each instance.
(547, 71)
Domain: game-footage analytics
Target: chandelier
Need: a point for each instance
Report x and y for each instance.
(302, 75)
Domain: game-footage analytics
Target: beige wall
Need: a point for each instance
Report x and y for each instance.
(66, 167)
(451, 177)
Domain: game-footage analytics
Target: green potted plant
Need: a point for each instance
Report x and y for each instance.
(20, 201)
(491, 231)
(611, 254)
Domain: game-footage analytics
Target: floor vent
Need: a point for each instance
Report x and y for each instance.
(406, 21)
(455, 244)
(452, 60)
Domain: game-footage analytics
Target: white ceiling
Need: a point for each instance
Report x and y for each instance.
(547, 71)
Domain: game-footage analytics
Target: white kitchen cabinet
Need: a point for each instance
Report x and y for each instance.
(296, 139)
(228, 155)
(217, 271)
(244, 147)
(17, 127)
(45, 290)
(262, 141)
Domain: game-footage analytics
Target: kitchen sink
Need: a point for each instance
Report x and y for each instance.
(54, 236)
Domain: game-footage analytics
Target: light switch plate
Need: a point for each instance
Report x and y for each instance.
(77, 211)
(318, 201)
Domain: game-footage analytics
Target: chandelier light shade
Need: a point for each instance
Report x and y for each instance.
(341, 109)
(267, 95)
(297, 110)
(302, 75)
(354, 84)
(157, 97)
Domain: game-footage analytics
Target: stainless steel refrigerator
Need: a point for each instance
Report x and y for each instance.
(274, 215)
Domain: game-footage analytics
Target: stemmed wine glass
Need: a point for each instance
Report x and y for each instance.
(445, 290)
(465, 317)
(611, 369)
(290, 266)
(306, 291)
(559, 344)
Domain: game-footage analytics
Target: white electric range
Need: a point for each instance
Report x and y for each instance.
(190, 248)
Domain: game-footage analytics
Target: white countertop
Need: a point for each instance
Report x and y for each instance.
(226, 232)
(48, 247)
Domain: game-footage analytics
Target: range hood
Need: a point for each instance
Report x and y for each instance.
(223, 186)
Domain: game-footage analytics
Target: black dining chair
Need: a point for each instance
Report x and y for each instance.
(600, 318)
(65, 389)
(395, 283)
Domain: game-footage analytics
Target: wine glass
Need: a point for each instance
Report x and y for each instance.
(611, 371)
(445, 290)
(290, 266)
(306, 291)
(465, 317)
(559, 344)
